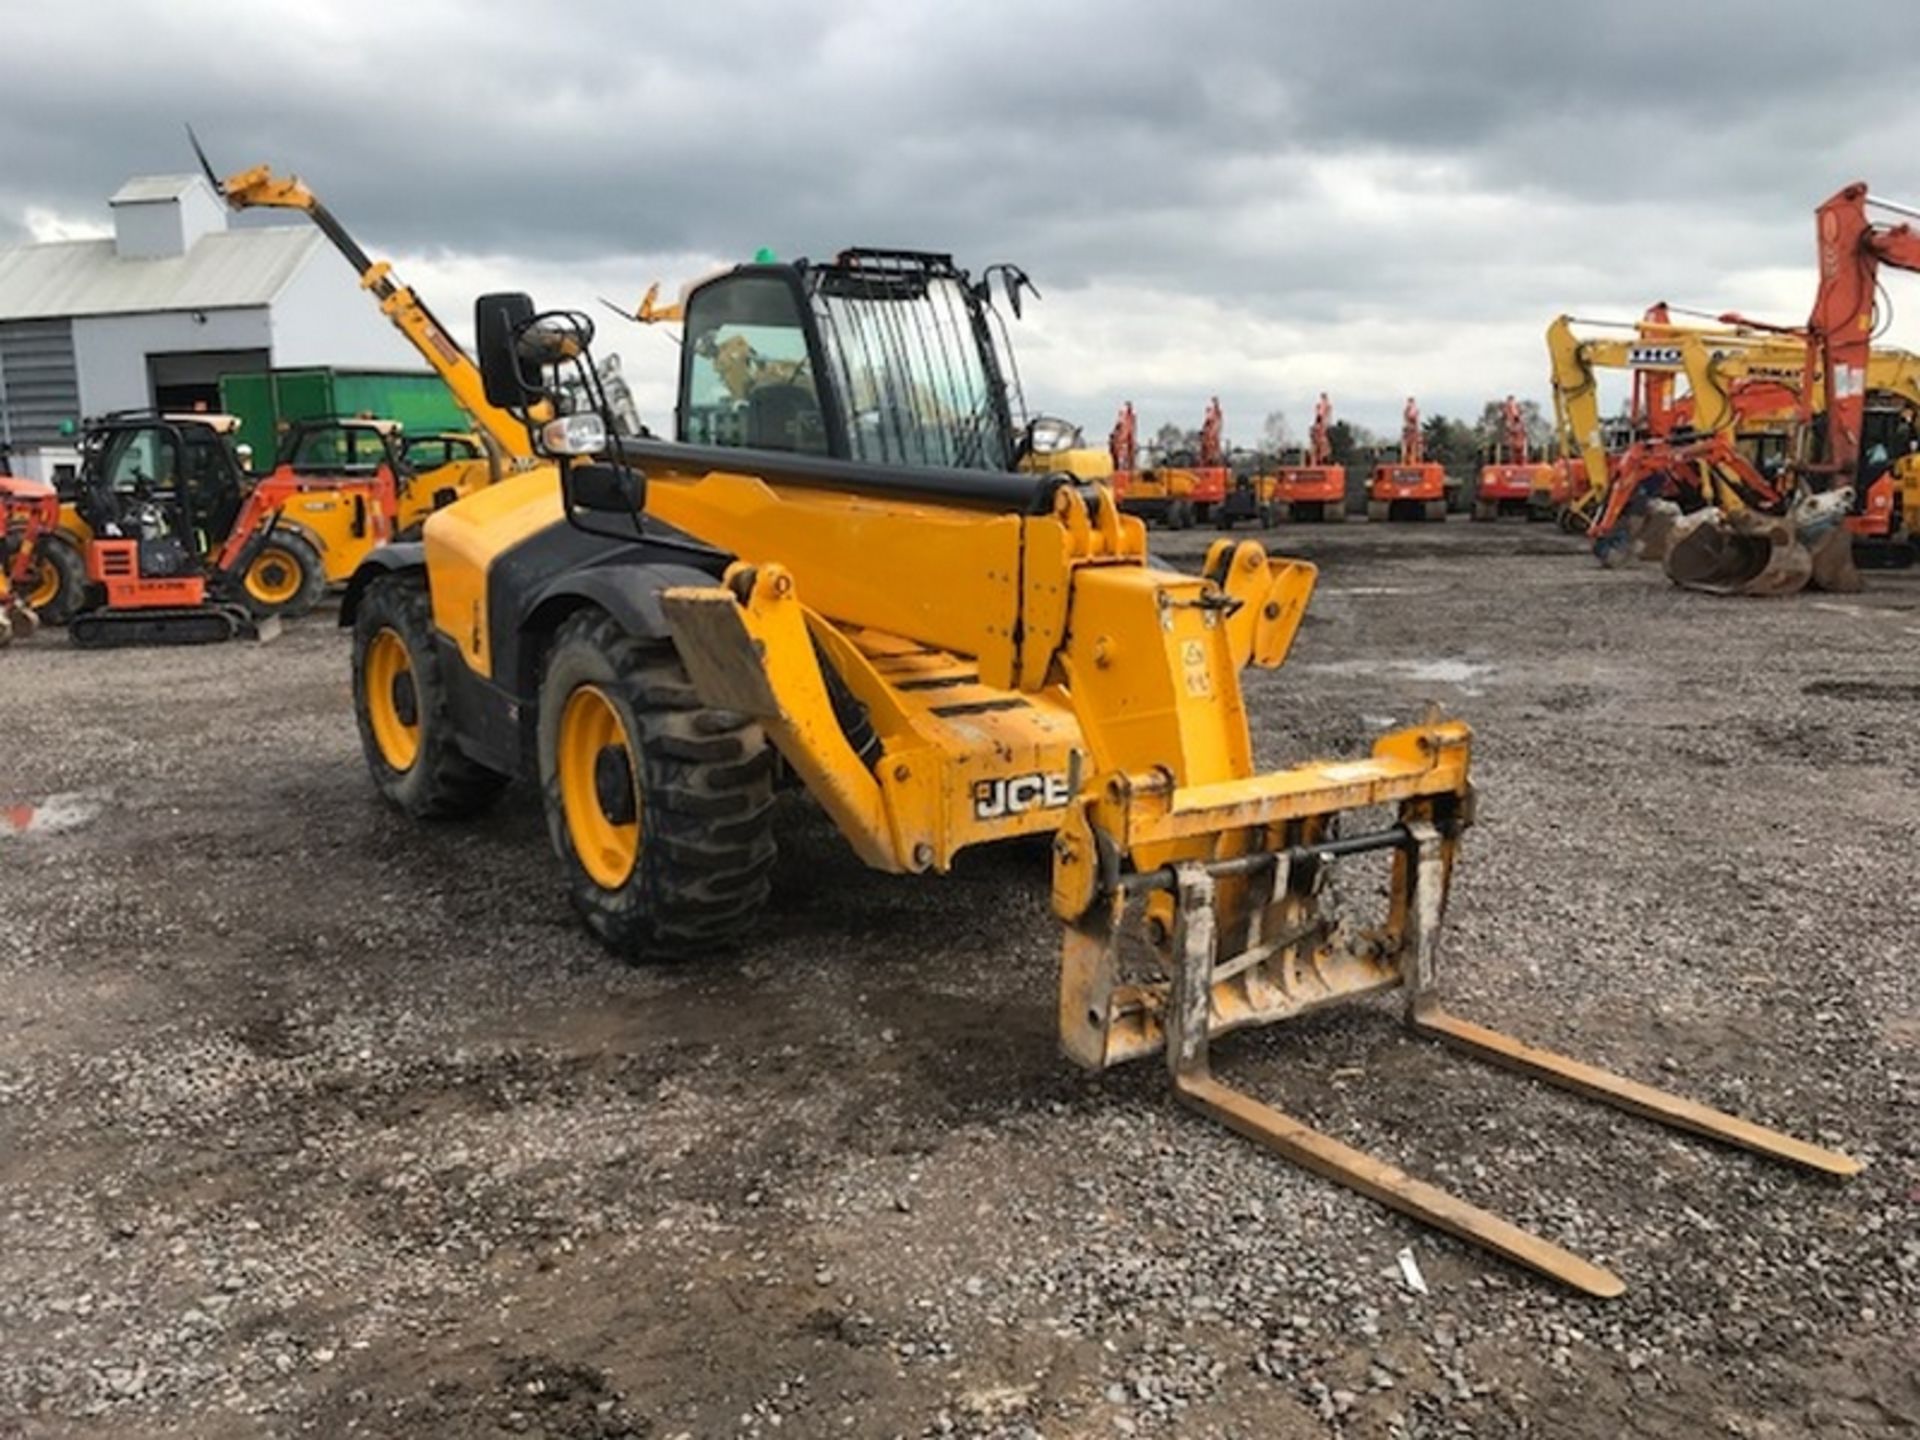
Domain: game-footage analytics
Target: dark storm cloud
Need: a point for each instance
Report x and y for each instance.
(1310, 165)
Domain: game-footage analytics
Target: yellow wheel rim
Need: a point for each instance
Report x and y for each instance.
(46, 583)
(393, 701)
(274, 577)
(598, 792)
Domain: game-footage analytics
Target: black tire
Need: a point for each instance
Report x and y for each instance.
(69, 570)
(441, 782)
(702, 783)
(310, 576)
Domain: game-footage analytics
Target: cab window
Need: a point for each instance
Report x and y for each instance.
(748, 380)
(138, 460)
(339, 451)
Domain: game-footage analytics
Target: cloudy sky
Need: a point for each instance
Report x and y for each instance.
(1258, 200)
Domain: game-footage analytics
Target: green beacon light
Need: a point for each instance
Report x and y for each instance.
(765, 256)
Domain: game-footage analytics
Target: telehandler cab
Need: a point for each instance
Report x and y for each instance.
(843, 565)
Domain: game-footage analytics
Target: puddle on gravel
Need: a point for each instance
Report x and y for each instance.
(1442, 672)
(68, 810)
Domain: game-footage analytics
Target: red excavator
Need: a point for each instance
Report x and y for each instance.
(29, 511)
(1179, 489)
(1835, 473)
(1123, 444)
(1840, 331)
(1414, 489)
(1316, 490)
(1509, 479)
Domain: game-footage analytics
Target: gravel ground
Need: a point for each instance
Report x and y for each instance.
(315, 1122)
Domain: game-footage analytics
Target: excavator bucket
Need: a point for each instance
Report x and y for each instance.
(1834, 569)
(1653, 530)
(1747, 553)
(1739, 554)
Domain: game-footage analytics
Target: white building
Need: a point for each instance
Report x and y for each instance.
(157, 314)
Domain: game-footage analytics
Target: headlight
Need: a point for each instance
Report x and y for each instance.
(574, 435)
(1051, 436)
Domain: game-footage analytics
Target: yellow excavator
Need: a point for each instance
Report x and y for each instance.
(1751, 387)
(945, 651)
(1655, 364)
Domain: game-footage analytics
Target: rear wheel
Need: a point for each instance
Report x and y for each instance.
(58, 586)
(286, 578)
(659, 808)
(400, 703)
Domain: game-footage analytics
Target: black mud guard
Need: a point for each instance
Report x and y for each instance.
(629, 591)
(390, 559)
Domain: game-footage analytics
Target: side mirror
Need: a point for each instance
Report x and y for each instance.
(605, 489)
(497, 322)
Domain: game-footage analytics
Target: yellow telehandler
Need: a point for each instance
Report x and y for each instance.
(945, 652)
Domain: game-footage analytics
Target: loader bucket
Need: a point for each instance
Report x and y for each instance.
(1741, 554)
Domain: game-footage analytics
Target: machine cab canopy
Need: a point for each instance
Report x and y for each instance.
(884, 357)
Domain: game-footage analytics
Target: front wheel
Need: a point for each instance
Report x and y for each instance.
(401, 705)
(57, 585)
(659, 808)
(285, 578)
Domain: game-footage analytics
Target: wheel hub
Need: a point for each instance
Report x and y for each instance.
(406, 701)
(613, 784)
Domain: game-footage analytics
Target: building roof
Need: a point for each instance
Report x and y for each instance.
(230, 269)
(155, 187)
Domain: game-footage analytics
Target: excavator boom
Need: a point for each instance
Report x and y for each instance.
(1852, 250)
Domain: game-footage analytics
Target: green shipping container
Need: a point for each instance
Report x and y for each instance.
(268, 401)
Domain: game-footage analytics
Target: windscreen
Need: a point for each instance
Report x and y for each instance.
(748, 379)
(908, 368)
